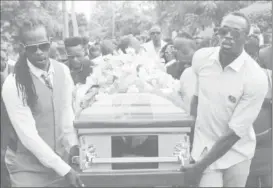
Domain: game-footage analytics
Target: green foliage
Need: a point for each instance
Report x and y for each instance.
(193, 16)
(13, 13)
(129, 18)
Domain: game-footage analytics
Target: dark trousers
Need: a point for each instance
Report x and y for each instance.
(5, 181)
(261, 169)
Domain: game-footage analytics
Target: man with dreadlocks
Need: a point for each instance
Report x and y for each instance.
(38, 99)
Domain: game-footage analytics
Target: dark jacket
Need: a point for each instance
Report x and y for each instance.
(80, 75)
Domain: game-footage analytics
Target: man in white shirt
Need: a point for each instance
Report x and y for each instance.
(154, 46)
(231, 88)
(38, 99)
(187, 87)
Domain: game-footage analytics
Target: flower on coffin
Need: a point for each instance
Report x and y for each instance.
(126, 73)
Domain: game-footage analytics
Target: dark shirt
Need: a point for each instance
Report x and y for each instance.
(80, 75)
(176, 69)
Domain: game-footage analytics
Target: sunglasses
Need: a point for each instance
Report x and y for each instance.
(155, 33)
(33, 48)
(223, 31)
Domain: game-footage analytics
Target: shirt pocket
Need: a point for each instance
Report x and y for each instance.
(231, 98)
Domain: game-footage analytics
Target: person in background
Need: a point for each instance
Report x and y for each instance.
(230, 90)
(252, 47)
(187, 87)
(107, 47)
(86, 46)
(97, 41)
(129, 42)
(38, 99)
(154, 46)
(94, 52)
(215, 39)
(198, 41)
(53, 51)
(167, 54)
(184, 50)
(255, 30)
(80, 66)
(6, 48)
(6, 126)
(205, 43)
(261, 166)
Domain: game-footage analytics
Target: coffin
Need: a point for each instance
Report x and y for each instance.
(134, 140)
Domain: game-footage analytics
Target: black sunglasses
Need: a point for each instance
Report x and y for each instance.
(33, 48)
(155, 33)
(223, 31)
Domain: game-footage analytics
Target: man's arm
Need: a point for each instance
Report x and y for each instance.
(70, 139)
(241, 121)
(194, 104)
(25, 127)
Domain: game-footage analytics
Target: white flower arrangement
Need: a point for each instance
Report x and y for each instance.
(124, 73)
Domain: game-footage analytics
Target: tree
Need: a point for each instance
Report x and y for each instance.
(193, 16)
(130, 18)
(13, 13)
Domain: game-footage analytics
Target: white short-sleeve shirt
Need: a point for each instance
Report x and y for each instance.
(228, 98)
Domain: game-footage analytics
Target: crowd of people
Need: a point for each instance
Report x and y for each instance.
(225, 83)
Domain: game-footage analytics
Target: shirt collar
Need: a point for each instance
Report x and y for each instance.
(39, 72)
(236, 64)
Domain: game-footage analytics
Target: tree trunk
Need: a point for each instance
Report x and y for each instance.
(65, 20)
(74, 20)
(113, 22)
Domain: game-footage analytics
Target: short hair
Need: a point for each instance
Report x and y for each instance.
(73, 41)
(239, 14)
(29, 25)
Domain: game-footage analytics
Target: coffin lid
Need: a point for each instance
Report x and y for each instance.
(132, 110)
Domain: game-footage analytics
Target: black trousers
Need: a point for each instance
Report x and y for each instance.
(5, 180)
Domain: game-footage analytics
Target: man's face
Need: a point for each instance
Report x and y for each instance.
(155, 35)
(75, 55)
(95, 53)
(233, 34)
(37, 47)
(183, 51)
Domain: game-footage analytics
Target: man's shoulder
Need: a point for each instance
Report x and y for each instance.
(58, 64)
(201, 56)
(9, 84)
(205, 52)
(253, 72)
(265, 56)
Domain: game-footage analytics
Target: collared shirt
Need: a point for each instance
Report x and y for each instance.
(24, 123)
(150, 48)
(187, 86)
(39, 72)
(228, 98)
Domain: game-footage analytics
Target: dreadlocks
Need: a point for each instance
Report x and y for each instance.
(24, 82)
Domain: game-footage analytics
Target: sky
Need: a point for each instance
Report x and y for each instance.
(82, 7)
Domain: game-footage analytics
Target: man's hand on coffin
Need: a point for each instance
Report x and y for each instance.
(89, 98)
(73, 178)
(74, 151)
(192, 174)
